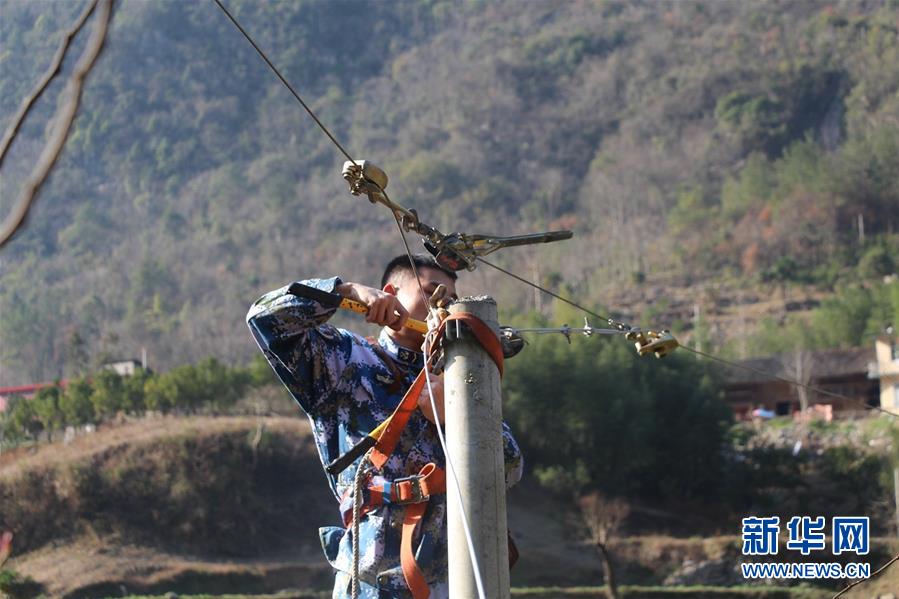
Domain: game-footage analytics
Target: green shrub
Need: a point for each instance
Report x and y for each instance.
(876, 262)
(16, 586)
(76, 404)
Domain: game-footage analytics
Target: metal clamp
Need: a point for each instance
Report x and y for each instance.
(364, 176)
(659, 343)
(415, 484)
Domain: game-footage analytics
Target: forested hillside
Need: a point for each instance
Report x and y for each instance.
(683, 142)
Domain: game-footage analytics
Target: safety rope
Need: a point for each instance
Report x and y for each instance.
(357, 508)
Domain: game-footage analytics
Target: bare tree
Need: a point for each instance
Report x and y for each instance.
(603, 517)
(798, 366)
(64, 117)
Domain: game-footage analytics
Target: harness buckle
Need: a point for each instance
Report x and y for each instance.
(415, 485)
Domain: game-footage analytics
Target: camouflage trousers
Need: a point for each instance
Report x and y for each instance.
(343, 590)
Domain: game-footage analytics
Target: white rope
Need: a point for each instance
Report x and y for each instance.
(357, 507)
(449, 462)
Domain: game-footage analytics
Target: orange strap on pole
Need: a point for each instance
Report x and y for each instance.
(484, 334)
(433, 479)
(397, 422)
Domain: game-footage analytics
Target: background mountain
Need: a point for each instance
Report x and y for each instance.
(687, 144)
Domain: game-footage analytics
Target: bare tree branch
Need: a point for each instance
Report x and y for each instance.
(5, 546)
(874, 575)
(62, 124)
(44, 83)
(603, 517)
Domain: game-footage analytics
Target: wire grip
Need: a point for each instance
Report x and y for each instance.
(660, 343)
(365, 177)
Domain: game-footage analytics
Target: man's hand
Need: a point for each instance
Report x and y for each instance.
(384, 308)
(424, 400)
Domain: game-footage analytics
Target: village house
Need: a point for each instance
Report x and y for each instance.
(886, 370)
(863, 376)
(122, 368)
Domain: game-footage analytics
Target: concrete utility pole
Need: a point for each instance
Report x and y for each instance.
(473, 416)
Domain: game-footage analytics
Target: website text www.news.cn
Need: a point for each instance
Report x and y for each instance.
(806, 535)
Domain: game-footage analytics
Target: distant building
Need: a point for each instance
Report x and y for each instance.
(27, 391)
(886, 370)
(124, 367)
(847, 372)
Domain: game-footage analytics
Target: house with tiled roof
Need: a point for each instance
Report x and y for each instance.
(850, 374)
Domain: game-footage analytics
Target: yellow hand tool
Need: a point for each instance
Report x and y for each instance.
(335, 300)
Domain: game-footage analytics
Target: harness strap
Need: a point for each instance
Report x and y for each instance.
(483, 333)
(386, 443)
(433, 481)
(378, 491)
(413, 492)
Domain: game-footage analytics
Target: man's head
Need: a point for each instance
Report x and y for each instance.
(399, 279)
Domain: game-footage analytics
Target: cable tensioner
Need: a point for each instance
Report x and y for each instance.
(456, 251)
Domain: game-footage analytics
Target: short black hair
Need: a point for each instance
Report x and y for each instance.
(402, 262)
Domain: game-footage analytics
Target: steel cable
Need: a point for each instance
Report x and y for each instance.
(724, 361)
(284, 81)
(415, 272)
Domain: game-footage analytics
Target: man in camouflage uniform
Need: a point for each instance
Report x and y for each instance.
(347, 385)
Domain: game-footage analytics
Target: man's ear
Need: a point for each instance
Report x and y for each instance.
(390, 288)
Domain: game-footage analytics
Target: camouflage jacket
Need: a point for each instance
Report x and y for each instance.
(344, 387)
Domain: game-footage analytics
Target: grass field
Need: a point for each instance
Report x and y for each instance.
(108, 539)
(631, 592)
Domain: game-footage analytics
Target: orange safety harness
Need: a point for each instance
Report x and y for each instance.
(415, 491)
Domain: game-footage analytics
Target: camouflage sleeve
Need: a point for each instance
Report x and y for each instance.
(512, 457)
(307, 354)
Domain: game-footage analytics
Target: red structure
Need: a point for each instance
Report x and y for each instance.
(27, 391)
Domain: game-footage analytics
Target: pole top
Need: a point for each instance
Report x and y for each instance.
(482, 306)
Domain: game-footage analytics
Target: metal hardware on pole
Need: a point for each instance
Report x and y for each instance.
(473, 417)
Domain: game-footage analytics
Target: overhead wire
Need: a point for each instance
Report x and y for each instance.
(507, 272)
(465, 524)
(544, 290)
(712, 357)
(527, 282)
(786, 380)
(284, 81)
